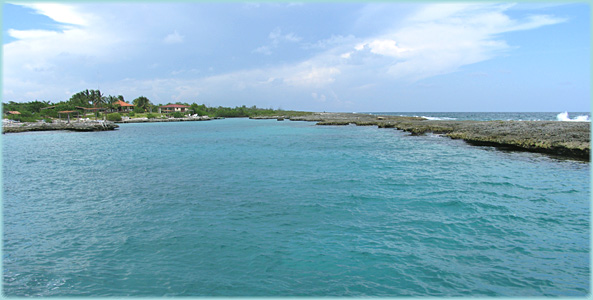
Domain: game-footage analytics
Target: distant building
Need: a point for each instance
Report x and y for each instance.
(123, 106)
(173, 108)
(16, 114)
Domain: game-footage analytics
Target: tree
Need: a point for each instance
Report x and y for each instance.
(111, 100)
(197, 109)
(142, 102)
(97, 98)
(88, 98)
(80, 99)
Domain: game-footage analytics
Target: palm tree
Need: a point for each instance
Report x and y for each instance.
(93, 97)
(111, 99)
(88, 96)
(142, 102)
(100, 99)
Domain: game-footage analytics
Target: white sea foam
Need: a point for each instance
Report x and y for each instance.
(564, 117)
(431, 118)
(438, 118)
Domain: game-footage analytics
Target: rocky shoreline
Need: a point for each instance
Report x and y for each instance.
(146, 120)
(72, 126)
(85, 125)
(565, 139)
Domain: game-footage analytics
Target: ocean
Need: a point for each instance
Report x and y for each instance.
(261, 208)
(491, 116)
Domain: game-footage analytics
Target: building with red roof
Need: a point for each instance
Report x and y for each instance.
(173, 108)
(123, 106)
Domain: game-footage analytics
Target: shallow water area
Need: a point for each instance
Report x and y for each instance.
(242, 207)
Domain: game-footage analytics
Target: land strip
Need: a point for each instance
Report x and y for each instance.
(146, 120)
(72, 126)
(566, 139)
(77, 125)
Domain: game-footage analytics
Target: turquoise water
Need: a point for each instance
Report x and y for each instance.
(242, 207)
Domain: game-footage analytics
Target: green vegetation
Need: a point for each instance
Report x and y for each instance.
(94, 99)
(142, 104)
(241, 111)
(114, 117)
(25, 116)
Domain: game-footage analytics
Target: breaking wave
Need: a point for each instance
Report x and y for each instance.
(564, 117)
(438, 118)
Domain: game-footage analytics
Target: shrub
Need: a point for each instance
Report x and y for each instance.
(131, 114)
(114, 117)
(29, 119)
(177, 115)
(150, 116)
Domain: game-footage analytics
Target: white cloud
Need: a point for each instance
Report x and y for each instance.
(173, 38)
(62, 13)
(333, 41)
(276, 38)
(313, 77)
(441, 38)
(436, 39)
(266, 50)
(52, 63)
(387, 48)
(32, 34)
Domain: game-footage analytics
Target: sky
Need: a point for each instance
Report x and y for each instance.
(313, 56)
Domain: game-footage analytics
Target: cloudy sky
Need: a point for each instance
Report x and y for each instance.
(352, 56)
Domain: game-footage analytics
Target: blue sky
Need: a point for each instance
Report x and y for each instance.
(351, 56)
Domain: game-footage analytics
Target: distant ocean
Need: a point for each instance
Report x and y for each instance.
(241, 207)
(490, 116)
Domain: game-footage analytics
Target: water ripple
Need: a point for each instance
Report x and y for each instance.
(258, 208)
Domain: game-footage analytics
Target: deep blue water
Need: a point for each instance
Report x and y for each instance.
(242, 207)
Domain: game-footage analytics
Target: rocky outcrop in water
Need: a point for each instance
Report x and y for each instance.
(72, 126)
(567, 139)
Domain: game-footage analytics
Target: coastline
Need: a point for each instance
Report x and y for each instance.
(565, 139)
(146, 120)
(76, 125)
(72, 126)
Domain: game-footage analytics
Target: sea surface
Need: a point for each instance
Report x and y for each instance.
(503, 116)
(241, 207)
